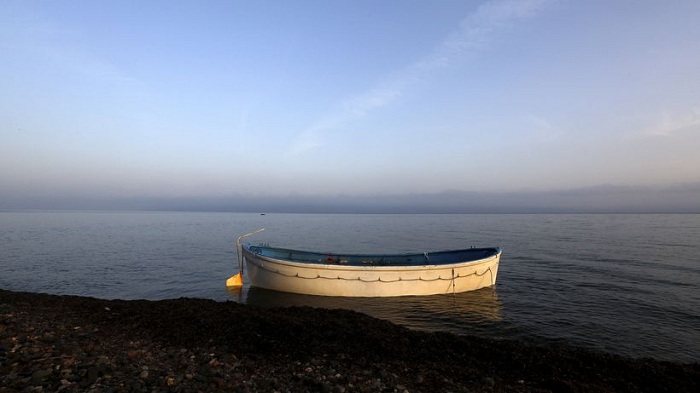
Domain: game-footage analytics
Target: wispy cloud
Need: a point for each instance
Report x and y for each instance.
(58, 48)
(476, 31)
(85, 64)
(542, 129)
(671, 123)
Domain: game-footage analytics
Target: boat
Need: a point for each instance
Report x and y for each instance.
(367, 275)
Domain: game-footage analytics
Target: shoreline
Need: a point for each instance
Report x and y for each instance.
(72, 343)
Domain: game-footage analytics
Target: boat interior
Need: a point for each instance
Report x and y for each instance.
(410, 259)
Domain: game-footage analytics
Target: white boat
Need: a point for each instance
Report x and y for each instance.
(369, 275)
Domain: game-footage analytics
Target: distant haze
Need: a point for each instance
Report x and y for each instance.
(604, 199)
(351, 106)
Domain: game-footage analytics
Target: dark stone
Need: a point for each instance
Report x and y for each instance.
(39, 376)
(488, 381)
(73, 378)
(557, 386)
(92, 374)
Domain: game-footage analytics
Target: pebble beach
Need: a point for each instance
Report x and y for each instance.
(51, 343)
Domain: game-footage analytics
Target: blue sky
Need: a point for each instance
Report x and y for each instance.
(212, 99)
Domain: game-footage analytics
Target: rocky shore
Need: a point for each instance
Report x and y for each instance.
(69, 343)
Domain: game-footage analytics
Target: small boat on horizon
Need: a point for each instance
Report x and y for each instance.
(367, 275)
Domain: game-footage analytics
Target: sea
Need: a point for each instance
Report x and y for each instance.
(626, 284)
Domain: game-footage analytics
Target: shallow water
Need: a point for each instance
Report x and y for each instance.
(622, 283)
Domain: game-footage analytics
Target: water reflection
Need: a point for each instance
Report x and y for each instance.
(462, 313)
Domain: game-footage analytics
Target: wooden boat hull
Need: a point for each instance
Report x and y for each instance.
(353, 280)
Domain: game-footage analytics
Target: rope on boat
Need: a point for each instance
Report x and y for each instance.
(379, 279)
(239, 251)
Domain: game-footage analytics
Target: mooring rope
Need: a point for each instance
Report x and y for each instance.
(239, 249)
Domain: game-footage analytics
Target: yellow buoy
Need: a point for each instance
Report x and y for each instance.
(235, 281)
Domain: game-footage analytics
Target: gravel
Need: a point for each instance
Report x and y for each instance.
(52, 343)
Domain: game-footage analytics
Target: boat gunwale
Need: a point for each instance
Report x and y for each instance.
(368, 267)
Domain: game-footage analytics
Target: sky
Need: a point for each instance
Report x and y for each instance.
(400, 104)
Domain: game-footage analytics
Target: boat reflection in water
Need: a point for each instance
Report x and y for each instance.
(475, 313)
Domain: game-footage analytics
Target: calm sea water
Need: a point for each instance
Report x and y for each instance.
(624, 283)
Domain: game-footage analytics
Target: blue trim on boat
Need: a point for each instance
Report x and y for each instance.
(410, 259)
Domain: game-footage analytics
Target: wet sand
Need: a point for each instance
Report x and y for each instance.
(70, 343)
